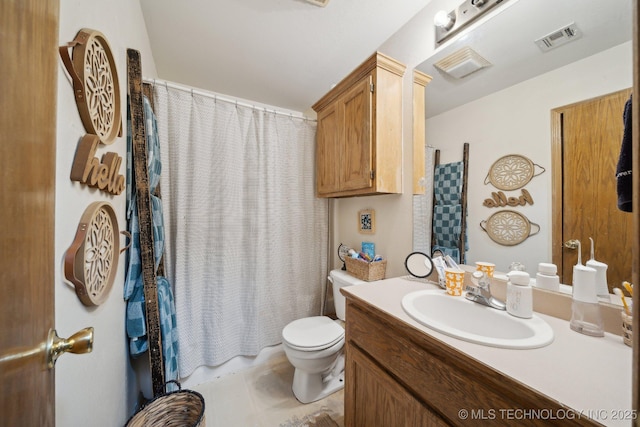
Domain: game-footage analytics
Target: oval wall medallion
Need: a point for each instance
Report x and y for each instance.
(512, 172)
(508, 228)
(91, 261)
(95, 83)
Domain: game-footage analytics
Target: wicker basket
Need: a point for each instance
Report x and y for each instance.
(367, 271)
(182, 408)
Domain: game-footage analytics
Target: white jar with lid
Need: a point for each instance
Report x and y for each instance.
(547, 277)
(519, 295)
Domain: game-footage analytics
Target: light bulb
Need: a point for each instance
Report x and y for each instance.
(443, 20)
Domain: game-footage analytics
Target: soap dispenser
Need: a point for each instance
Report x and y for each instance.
(547, 277)
(585, 311)
(519, 295)
(602, 290)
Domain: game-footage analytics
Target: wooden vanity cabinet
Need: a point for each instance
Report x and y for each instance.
(359, 134)
(396, 375)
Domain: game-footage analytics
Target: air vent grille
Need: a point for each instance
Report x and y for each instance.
(559, 37)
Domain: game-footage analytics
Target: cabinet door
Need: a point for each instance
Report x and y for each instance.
(374, 399)
(328, 150)
(356, 146)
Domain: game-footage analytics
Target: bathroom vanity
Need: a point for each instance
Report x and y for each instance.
(401, 373)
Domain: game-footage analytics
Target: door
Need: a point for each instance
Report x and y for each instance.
(356, 164)
(375, 399)
(327, 150)
(589, 135)
(28, 73)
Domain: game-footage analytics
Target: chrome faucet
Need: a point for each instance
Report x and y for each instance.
(481, 292)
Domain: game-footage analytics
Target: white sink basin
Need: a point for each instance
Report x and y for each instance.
(470, 321)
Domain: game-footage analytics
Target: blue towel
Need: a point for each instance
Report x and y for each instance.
(447, 225)
(137, 328)
(168, 331)
(447, 183)
(133, 287)
(447, 213)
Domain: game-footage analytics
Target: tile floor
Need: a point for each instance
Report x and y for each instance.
(261, 397)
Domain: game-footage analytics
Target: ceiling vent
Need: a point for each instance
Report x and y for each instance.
(559, 37)
(321, 3)
(462, 62)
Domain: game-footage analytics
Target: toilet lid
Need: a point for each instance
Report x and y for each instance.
(312, 333)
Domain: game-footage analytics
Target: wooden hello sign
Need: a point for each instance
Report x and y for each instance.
(88, 170)
(500, 200)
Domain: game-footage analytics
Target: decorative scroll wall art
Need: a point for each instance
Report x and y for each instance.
(500, 200)
(508, 227)
(512, 172)
(97, 93)
(95, 84)
(508, 173)
(91, 262)
(88, 170)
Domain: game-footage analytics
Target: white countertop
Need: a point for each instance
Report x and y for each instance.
(591, 375)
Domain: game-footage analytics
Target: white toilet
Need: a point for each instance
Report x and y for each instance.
(313, 346)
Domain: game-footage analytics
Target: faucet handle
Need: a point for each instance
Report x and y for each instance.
(480, 279)
(475, 290)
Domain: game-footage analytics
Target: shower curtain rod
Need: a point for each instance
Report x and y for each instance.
(224, 99)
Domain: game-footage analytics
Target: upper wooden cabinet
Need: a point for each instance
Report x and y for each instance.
(359, 136)
(420, 81)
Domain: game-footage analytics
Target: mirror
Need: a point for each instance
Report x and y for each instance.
(505, 108)
(418, 264)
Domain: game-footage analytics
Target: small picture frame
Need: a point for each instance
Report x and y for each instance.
(367, 221)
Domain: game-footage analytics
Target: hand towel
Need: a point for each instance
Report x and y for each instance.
(624, 168)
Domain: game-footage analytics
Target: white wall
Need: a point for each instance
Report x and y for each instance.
(97, 389)
(517, 120)
(411, 45)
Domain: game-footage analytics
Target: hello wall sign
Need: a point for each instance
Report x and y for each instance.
(97, 93)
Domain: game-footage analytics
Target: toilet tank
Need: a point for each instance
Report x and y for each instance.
(340, 279)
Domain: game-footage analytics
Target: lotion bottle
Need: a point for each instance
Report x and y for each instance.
(585, 310)
(547, 277)
(519, 295)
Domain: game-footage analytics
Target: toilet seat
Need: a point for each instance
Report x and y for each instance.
(312, 333)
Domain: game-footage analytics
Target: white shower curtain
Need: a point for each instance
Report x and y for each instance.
(246, 238)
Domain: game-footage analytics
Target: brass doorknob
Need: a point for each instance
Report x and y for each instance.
(572, 244)
(79, 343)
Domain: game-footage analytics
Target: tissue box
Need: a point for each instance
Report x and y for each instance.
(367, 271)
(369, 248)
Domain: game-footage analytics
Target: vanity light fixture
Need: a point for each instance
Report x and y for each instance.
(447, 24)
(444, 20)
